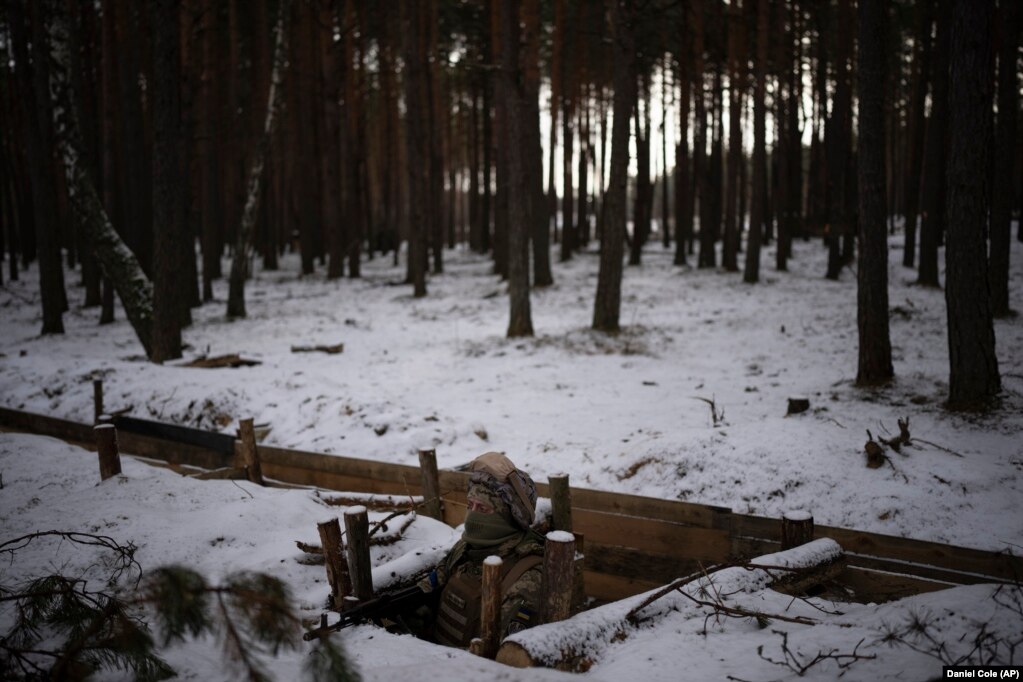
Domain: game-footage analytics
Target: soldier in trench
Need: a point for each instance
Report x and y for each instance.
(501, 509)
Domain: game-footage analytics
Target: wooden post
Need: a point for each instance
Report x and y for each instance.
(97, 400)
(796, 529)
(106, 443)
(431, 484)
(561, 502)
(578, 585)
(357, 529)
(337, 565)
(559, 574)
(247, 435)
(490, 615)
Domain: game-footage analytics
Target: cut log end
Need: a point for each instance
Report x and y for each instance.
(514, 655)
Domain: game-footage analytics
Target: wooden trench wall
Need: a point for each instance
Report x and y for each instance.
(631, 543)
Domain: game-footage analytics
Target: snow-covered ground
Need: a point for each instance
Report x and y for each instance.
(625, 413)
(218, 527)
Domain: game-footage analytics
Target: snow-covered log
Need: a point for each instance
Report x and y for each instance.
(575, 643)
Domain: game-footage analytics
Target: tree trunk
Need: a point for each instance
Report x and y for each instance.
(511, 98)
(168, 218)
(875, 350)
(642, 206)
(38, 140)
(751, 274)
(934, 184)
(973, 379)
(683, 183)
(609, 279)
(538, 221)
(417, 149)
(736, 42)
(118, 262)
(254, 189)
(330, 152)
(838, 145)
(699, 120)
(1005, 147)
(914, 153)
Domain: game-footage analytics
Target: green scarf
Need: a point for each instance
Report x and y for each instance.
(485, 531)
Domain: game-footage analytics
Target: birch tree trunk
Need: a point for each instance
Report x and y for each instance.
(119, 264)
(254, 192)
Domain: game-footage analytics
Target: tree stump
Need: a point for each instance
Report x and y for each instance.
(334, 558)
(250, 455)
(797, 405)
(357, 529)
(875, 454)
(559, 574)
(106, 444)
(796, 529)
(431, 484)
(490, 614)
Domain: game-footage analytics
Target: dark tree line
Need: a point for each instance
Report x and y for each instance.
(344, 131)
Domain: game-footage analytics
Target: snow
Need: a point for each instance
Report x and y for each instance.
(560, 536)
(625, 413)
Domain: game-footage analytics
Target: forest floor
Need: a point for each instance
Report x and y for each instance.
(625, 413)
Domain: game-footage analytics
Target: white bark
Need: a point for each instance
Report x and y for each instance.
(115, 258)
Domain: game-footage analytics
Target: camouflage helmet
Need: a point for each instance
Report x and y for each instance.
(494, 472)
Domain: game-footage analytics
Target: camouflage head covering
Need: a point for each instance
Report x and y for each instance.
(509, 490)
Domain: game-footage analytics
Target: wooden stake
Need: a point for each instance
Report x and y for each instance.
(559, 574)
(561, 502)
(357, 529)
(106, 443)
(431, 484)
(490, 615)
(796, 529)
(97, 400)
(250, 454)
(337, 565)
(578, 584)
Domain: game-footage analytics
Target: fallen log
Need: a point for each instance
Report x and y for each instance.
(373, 501)
(574, 644)
(329, 350)
(219, 361)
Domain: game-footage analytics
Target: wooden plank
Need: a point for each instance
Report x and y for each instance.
(626, 562)
(345, 466)
(49, 426)
(703, 516)
(868, 586)
(671, 539)
(906, 551)
(334, 481)
(175, 453)
(209, 440)
(963, 559)
(757, 527)
(606, 587)
(747, 548)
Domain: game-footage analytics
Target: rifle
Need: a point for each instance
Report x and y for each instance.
(386, 605)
